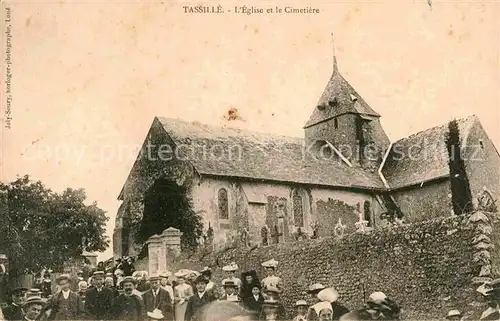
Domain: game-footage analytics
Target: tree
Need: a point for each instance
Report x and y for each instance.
(461, 195)
(167, 204)
(44, 229)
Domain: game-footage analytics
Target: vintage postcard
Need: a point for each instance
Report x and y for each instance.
(264, 160)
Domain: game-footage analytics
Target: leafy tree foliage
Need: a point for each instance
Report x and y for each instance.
(43, 229)
(168, 205)
(461, 195)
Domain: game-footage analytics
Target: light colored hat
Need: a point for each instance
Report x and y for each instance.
(270, 302)
(328, 295)
(301, 303)
(270, 264)
(33, 300)
(109, 274)
(165, 274)
(156, 314)
(228, 282)
(3, 257)
(98, 274)
(82, 285)
(128, 279)
(182, 273)
(316, 287)
(62, 277)
(206, 269)
(454, 313)
(318, 307)
(119, 272)
(34, 293)
(154, 278)
(140, 274)
(377, 297)
(109, 278)
(230, 267)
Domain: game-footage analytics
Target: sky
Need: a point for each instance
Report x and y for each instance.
(89, 77)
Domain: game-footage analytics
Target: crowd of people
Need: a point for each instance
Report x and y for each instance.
(192, 296)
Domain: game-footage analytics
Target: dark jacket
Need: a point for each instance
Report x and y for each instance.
(161, 302)
(76, 309)
(99, 304)
(338, 310)
(13, 312)
(252, 305)
(129, 308)
(195, 303)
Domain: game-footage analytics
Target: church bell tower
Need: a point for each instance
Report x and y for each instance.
(343, 118)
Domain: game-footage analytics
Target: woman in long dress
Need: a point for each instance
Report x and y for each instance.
(182, 292)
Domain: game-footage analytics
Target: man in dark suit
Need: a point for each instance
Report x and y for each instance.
(99, 299)
(129, 306)
(158, 298)
(230, 289)
(14, 311)
(254, 303)
(65, 304)
(199, 299)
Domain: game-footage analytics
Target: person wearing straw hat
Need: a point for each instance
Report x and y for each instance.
(254, 302)
(199, 299)
(14, 311)
(109, 283)
(165, 284)
(230, 292)
(377, 307)
(331, 296)
(314, 289)
(182, 293)
(65, 304)
(33, 308)
(158, 298)
(271, 281)
(207, 273)
(272, 310)
(323, 311)
(230, 271)
(454, 315)
(302, 308)
(99, 299)
(273, 294)
(129, 306)
(33, 292)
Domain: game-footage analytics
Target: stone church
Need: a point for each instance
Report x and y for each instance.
(345, 173)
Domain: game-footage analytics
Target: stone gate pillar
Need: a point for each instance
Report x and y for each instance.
(172, 237)
(157, 260)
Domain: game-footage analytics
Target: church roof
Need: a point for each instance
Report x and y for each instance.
(339, 97)
(232, 152)
(423, 156)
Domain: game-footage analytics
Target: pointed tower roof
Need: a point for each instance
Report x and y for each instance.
(339, 98)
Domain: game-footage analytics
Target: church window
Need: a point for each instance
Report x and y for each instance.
(125, 244)
(298, 210)
(367, 213)
(336, 123)
(481, 144)
(223, 204)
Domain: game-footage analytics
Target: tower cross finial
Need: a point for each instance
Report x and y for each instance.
(333, 53)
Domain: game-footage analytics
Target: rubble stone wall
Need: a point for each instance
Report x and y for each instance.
(428, 267)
